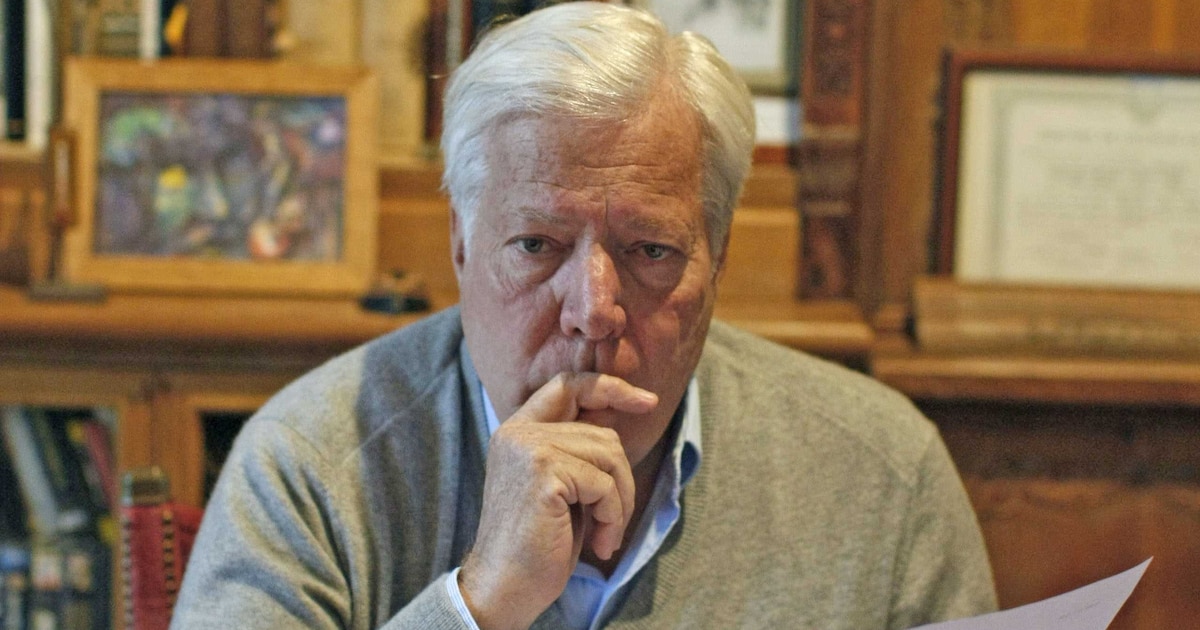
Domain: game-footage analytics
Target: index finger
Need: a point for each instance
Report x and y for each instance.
(563, 396)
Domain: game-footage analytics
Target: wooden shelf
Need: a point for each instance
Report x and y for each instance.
(829, 328)
(19, 164)
(146, 327)
(182, 330)
(1036, 379)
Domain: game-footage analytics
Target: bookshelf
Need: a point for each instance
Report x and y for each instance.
(119, 392)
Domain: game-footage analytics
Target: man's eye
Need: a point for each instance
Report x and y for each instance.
(531, 245)
(654, 251)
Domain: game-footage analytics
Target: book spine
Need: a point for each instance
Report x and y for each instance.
(150, 29)
(94, 441)
(88, 476)
(3, 72)
(14, 69)
(63, 471)
(14, 584)
(119, 28)
(86, 590)
(35, 484)
(158, 535)
(952, 317)
(13, 515)
(46, 579)
(40, 73)
(158, 541)
(77, 20)
(246, 28)
(204, 32)
(833, 91)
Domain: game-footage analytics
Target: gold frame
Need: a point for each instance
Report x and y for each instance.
(86, 79)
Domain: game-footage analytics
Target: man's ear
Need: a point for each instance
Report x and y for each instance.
(458, 243)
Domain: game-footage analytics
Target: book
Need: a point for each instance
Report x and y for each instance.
(956, 317)
(204, 31)
(14, 584)
(70, 584)
(46, 584)
(49, 514)
(157, 535)
(833, 90)
(150, 29)
(63, 468)
(247, 29)
(14, 69)
(78, 24)
(119, 28)
(12, 509)
(41, 73)
(84, 601)
(3, 64)
(91, 440)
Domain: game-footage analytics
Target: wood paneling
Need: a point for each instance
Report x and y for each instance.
(1068, 494)
(903, 102)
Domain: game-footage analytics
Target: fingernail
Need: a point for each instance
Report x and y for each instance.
(647, 395)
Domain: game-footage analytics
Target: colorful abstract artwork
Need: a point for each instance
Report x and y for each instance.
(224, 176)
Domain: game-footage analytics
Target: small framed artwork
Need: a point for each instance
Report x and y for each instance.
(221, 176)
(1070, 169)
(759, 38)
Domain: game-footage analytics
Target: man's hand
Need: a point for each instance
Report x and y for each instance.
(552, 485)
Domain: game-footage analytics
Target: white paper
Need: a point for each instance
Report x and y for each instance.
(1089, 608)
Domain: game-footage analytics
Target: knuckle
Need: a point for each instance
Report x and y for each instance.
(541, 458)
(609, 436)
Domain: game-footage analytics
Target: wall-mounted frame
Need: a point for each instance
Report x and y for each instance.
(761, 39)
(1070, 169)
(222, 176)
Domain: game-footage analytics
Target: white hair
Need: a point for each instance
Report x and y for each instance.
(597, 62)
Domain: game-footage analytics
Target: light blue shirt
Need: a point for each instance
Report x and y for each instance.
(589, 599)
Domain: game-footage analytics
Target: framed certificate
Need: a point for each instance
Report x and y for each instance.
(1070, 170)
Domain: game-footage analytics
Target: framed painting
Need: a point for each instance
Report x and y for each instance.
(221, 176)
(1069, 168)
(759, 38)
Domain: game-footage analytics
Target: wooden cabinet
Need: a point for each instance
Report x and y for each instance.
(1078, 467)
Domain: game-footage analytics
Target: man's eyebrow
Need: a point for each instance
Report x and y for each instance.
(535, 214)
(656, 224)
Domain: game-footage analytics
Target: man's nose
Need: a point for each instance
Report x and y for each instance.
(591, 304)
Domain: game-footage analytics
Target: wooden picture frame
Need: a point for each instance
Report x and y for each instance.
(1069, 169)
(222, 176)
(761, 40)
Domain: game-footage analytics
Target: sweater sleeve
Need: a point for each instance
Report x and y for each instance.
(280, 548)
(942, 569)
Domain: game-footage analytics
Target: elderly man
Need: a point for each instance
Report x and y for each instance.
(573, 446)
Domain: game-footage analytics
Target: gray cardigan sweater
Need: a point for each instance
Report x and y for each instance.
(823, 500)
